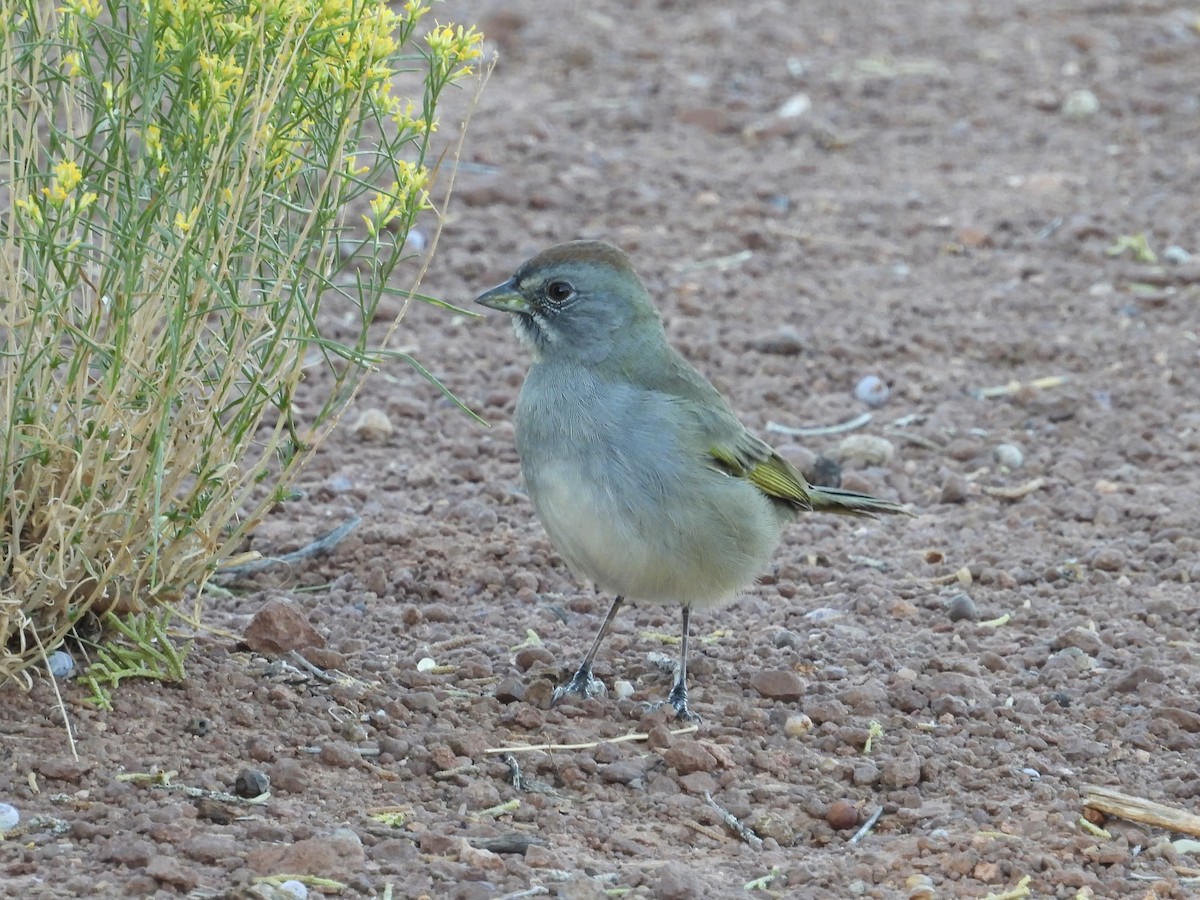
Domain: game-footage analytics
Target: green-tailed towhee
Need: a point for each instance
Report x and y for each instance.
(643, 477)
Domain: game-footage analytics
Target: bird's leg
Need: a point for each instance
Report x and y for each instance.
(678, 697)
(582, 682)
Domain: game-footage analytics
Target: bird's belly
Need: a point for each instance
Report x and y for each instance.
(649, 536)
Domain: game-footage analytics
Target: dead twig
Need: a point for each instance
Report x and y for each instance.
(536, 891)
(1017, 492)
(162, 779)
(320, 545)
(1138, 809)
(590, 745)
(717, 837)
(717, 262)
(515, 778)
(867, 826)
(819, 430)
(742, 831)
(298, 660)
(511, 842)
(1017, 893)
(1017, 387)
(919, 439)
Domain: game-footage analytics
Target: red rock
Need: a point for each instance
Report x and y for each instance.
(280, 627)
(778, 684)
(689, 756)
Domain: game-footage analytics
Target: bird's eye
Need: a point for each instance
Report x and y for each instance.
(559, 291)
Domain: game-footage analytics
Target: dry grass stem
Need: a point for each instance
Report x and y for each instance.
(633, 736)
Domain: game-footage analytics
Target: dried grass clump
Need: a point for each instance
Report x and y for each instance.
(176, 183)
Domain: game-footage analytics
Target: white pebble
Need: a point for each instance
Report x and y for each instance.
(425, 664)
(872, 390)
(622, 690)
(9, 816)
(795, 106)
(1080, 105)
(864, 448)
(1186, 845)
(61, 664)
(373, 425)
(415, 241)
(797, 725)
(1008, 456)
(295, 888)
(1176, 255)
(339, 484)
(824, 614)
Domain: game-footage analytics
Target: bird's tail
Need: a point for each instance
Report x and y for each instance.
(852, 503)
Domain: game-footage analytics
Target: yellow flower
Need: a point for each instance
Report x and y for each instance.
(68, 175)
(87, 8)
(452, 49)
(184, 223)
(353, 168)
(31, 208)
(153, 139)
(414, 10)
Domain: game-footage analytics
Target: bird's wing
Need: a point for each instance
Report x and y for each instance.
(745, 455)
(732, 448)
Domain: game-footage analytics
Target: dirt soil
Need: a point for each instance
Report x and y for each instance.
(945, 195)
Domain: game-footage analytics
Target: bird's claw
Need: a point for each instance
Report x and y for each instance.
(678, 698)
(582, 684)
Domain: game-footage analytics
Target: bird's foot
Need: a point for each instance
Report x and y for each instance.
(582, 685)
(678, 698)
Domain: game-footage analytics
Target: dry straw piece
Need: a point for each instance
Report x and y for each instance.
(186, 190)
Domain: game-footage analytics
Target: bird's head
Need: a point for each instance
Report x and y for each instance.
(578, 301)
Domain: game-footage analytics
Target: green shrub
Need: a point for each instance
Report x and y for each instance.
(184, 185)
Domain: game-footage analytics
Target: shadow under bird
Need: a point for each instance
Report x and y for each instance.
(643, 477)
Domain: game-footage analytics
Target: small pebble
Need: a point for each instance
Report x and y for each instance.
(867, 449)
(339, 484)
(872, 390)
(1108, 559)
(786, 341)
(1008, 456)
(425, 664)
(353, 731)
(9, 817)
(373, 425)
(61, 664)
(955, 488)
(797, 725)
(295, 888)
(198, 725)
(920, 887)
(1176, 255)
(842, 815)
(622, 690)
(795, 106)
(1080, 105)
(1094, 816)
(824, 614)
(962, 608)
(789, 639)
(251, 783)
(824, 472)
(415, 241)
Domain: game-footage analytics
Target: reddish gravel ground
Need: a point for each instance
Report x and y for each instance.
(945, 195)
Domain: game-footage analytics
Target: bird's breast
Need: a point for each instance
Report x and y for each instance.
(627, 501)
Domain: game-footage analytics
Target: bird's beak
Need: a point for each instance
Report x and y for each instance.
(504, 297)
